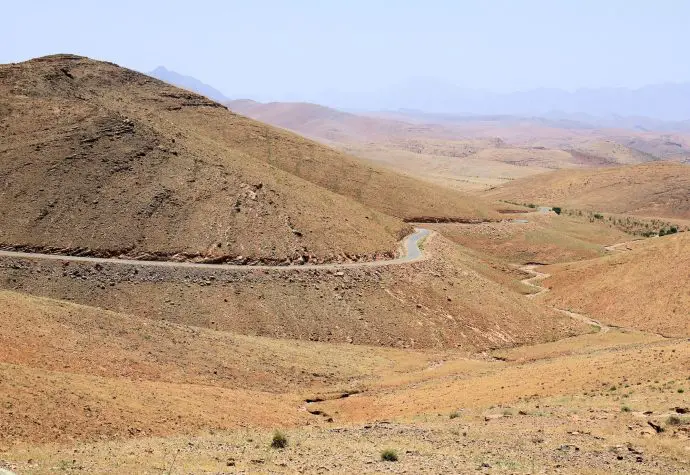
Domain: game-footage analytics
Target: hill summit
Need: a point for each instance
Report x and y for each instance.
(102, 160)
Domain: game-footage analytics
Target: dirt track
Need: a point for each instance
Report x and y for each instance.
(538, 276)
(615, 247)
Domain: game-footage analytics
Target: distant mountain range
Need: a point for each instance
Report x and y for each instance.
(187, 82)
(558, 119)
(654, 107)
(668, 102)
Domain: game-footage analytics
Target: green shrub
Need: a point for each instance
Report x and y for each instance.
(454, 415)
(557, 209)
(389, 455)
(280, 440)
(626, 409)
(598, 216)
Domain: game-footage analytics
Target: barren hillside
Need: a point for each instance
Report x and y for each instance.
(100, 159)
(86, 390)
(461, 360)
(644, 288)
(327, 124)
(655, 189)
(536, 237)
(469, 153)
(440, 302)
(608, 152)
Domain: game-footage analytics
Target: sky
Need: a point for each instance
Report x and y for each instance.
(306, 49)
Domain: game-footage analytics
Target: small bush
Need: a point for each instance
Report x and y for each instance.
(454, 415)
(557, 209)
(674, 421)
(389, 455)
(280, 440)
(681, 390)
(531, 205)
(626, 409)
(598, 216)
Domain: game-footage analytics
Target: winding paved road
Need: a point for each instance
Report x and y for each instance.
(410, 245)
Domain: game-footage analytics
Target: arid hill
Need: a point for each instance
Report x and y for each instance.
(536, 237)
(645, 287)
(469, 153)
(608, 152)
(85, 390)
(654, 189)
(445, 301)
(327, 124)
(101, 159)
(439, 153)
(440, 364)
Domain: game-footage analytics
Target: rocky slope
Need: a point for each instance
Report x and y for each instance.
(99, 159)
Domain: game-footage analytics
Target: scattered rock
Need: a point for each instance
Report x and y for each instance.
(635, 451)
(656, 426)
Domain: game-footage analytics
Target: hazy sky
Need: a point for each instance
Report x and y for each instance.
(289, 49)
